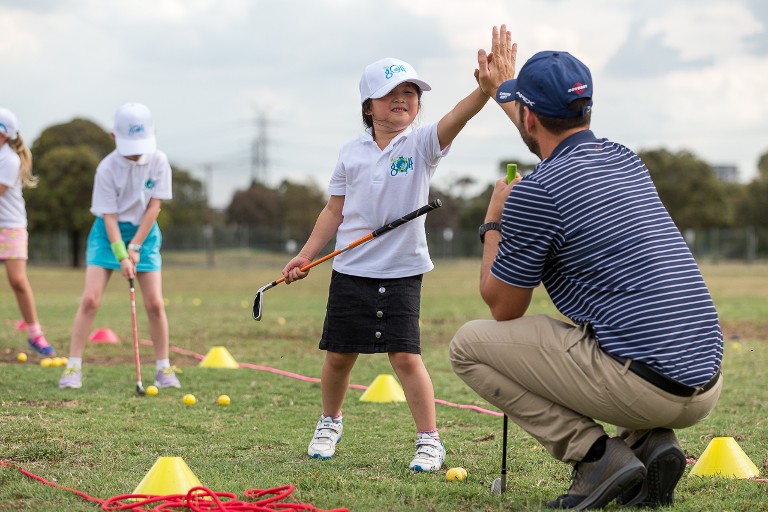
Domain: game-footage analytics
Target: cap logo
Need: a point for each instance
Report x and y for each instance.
(134, 129)
(3, 128)
(578, 88)
(389, 71)
(524, 99)
(504, 95)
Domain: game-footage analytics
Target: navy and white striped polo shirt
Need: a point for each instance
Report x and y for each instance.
(589, 224)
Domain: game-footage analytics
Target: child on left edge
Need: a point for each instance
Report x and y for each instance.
(16, 173)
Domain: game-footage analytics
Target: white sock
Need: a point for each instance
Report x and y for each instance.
(75, 362)
(162, 364)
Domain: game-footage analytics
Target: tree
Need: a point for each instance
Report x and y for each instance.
(689, 189)
(752, 207)
(257, 205)
(65, 157)
(189, 205)
(299, 207)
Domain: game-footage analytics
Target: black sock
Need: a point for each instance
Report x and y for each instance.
(597, 450)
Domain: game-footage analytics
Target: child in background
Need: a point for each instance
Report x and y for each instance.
(375, 291)
(130, 185)
(15, 173)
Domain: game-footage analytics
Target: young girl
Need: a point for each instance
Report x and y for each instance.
(375, 290)
(15, 173)
(130, 185)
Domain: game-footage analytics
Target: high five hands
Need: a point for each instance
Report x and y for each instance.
(499, 65)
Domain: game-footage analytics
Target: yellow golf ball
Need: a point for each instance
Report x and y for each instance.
(21, 357)
(189, 399)
(196, 301)
(280, 320)
(152, 390)
(456, 474)
(223, 400)
(46, 362)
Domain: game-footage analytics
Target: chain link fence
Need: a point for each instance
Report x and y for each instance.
(244, 245)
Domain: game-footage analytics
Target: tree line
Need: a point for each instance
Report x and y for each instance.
(65, 157)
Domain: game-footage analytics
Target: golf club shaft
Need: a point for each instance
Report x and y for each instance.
(139, 386)
(370, 236)
(504, 455)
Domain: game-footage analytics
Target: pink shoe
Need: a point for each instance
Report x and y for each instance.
(41, 346)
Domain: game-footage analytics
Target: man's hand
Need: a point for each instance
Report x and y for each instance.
(499, 65)
(501, 190)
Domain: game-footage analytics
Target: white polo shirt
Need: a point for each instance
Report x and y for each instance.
(13, 213)
(125, 187)
(381, 186)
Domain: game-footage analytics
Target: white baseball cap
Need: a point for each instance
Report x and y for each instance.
(384, 75)
(134, 130)
(9, 125)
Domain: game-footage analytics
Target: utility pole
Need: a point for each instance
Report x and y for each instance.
(208, 230)
(259, 159)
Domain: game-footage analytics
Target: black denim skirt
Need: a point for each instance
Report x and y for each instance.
(370, 315)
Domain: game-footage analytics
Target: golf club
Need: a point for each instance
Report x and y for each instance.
(258, 301)
(499, 485)
(139, 387)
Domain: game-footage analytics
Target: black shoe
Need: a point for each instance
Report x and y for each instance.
(665, 464)
(595, 484)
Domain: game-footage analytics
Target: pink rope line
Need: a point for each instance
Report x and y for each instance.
(304, 378)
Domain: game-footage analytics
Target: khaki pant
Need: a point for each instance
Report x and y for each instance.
(553, 380)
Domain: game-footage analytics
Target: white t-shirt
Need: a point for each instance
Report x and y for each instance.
(381, 186)
(125, 187)
(13, 213)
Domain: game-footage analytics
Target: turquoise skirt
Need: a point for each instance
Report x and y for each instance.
(99, 251)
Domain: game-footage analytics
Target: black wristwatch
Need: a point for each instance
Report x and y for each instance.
(487, 227)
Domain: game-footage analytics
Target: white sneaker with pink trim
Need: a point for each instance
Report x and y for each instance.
(430, 454)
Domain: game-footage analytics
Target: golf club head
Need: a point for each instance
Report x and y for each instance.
(140, 389)
(257, 305)
(498, 486)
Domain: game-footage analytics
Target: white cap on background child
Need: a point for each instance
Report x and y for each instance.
(9, 125)
(384, 75)
(134, 130)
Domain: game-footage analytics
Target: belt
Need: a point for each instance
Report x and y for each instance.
(661, 381)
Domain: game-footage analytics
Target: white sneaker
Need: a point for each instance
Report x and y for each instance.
(327, 436)
(430, 454)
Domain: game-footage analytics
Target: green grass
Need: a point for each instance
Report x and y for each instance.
(103, 439)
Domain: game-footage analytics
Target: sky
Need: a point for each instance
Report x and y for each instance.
(684, 75)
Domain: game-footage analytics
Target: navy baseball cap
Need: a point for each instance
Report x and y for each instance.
(548, 83)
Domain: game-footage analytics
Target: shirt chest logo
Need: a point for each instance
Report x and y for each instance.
(150, 184)
(401, 164)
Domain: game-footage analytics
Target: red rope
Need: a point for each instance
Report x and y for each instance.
(197, 499)
(297, 376)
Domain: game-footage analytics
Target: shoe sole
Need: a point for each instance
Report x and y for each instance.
(71, 386)
(609, 490)
(421, 470)
(665, 468)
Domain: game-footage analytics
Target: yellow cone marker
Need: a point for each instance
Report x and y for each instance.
(219, 357)
(384, 388)
(169, 475)
(725, 458)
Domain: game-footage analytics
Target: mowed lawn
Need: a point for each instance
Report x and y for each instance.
(103, 439)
